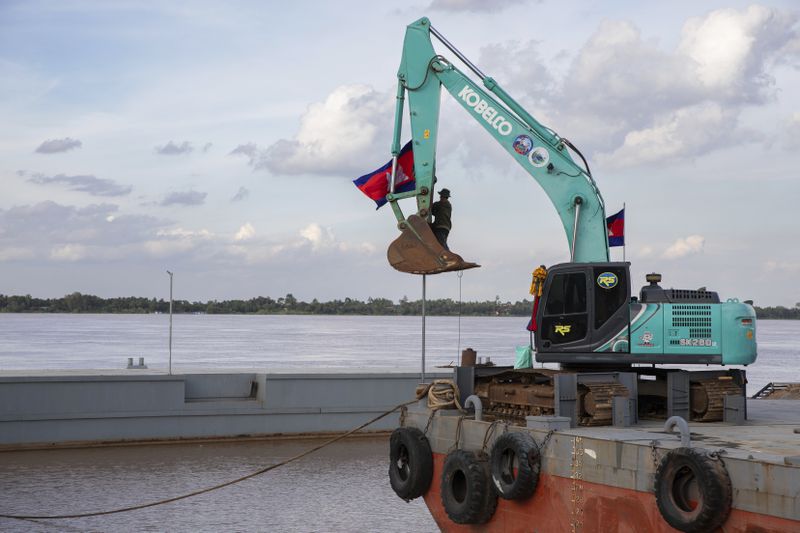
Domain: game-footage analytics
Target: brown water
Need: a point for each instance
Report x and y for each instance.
(344, 487)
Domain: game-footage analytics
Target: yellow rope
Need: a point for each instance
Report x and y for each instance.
(442, 394)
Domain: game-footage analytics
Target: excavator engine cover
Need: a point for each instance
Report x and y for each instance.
(416, 251)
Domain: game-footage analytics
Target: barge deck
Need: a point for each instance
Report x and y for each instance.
(602, 478)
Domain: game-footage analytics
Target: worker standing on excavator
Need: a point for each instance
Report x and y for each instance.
(442, 211)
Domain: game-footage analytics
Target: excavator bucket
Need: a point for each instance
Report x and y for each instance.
(417, 251)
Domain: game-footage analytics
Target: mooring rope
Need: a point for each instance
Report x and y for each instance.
(442, 394)
(215, 487)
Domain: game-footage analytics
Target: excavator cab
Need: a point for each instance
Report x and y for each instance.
(587, 316)
(417, 251)
(584, 310)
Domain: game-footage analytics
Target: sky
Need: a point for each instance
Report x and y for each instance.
(219, 140)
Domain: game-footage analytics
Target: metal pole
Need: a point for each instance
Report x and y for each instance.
(424, 279)
(394, 173)
(398, 126)
(458, 355)
(578, 202)
(458, 54)
(170, 322)
(624, 244)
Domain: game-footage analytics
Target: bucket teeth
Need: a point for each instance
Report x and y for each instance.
(416, 251)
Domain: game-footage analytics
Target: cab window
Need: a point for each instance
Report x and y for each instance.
(567, 294)
(565, 317)
(610, 293)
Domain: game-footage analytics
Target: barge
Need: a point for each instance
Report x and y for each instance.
(550, 475)
(92, 408)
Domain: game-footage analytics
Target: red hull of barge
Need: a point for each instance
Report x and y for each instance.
(603, 509)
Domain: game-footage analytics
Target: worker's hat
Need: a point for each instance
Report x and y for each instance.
(445, 193)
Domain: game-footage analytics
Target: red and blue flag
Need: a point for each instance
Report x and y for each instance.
(616, 228)
(376, 183)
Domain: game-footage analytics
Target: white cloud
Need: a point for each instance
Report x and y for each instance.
(172, 148)
(249, 150)
(181, 233)
(45, 225)
(311, 242)
(646, 251)
(690, 245)
(168, 248)
(791, 134)
(624, 93)
(60, 233)
(730, 49)
(322, 238)
(336, 136)
(475, 6)
(184, 198)
(68, 252)
(789, 267)
(626, 98)
(241, 194)
(88, 184)
(53, 146)
(688, 132)
(176, 241)
(15, 253)
(318, 236)
(246, 232)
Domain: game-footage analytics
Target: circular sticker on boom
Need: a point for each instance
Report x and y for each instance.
(607, 280)
(522, 144)
(539, 156)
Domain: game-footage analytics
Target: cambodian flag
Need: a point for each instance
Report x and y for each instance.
(616, 229)
(376, 183)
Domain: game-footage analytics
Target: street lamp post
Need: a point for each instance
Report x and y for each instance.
(170, 321)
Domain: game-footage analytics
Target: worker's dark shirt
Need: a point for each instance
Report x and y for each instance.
(442, 210)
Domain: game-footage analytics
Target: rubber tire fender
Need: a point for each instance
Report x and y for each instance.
(515, 464)
(466, 491)
(410, 463)
(674, 475)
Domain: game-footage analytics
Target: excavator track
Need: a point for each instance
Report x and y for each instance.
(596, 400)
(708, 398)
(512, 396)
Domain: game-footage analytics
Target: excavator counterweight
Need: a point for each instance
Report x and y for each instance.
(416, 251)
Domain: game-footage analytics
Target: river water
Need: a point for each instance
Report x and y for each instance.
(280, 343)
(341, 488)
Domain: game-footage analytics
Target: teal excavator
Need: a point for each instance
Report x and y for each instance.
(587, 318)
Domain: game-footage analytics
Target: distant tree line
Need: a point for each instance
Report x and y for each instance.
(289, 305)
(780, 312)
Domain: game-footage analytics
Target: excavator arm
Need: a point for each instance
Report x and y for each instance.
(540, 151)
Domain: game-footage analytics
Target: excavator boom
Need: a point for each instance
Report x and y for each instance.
(542, 153)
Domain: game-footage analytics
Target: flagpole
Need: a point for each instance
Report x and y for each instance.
(624, 244)
(422, 374)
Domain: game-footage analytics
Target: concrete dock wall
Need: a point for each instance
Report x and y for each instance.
(72, 409)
